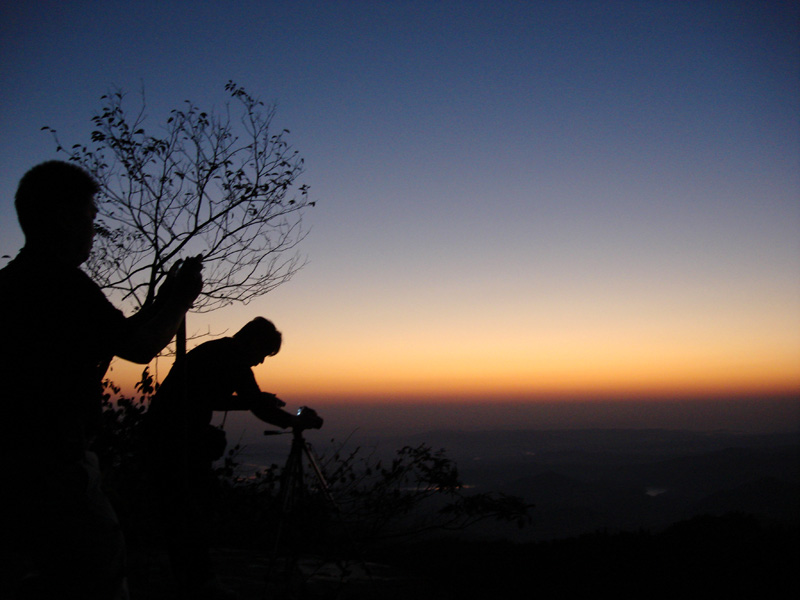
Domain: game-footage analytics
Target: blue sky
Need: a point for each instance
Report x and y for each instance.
(519, 194)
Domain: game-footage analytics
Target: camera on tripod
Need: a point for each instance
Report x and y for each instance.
(307, 418)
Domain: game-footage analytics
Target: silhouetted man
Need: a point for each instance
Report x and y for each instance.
(215, 376)
(58, 333)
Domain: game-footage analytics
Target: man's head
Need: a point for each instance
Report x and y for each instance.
(260, 339)
(55, 208)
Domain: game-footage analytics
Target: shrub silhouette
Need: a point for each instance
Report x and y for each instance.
(417, 492)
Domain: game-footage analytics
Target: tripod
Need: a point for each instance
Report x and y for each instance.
(292, 500)
(292, 485)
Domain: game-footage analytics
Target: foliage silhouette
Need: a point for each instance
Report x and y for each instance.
(415, 493)
(221, 184)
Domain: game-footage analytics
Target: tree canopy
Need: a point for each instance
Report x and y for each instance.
(221, 183)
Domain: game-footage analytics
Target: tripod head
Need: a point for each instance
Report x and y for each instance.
(306, 418)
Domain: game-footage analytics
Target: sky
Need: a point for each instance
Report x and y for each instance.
(571, 201)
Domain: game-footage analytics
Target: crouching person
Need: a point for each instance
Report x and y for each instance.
(215, 376)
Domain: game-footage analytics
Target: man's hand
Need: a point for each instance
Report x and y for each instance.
(267, 407)
(272, 399)
(150, 329)
(188, 281)
(183, 283)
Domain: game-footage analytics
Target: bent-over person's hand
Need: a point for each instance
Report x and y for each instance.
(267, 407)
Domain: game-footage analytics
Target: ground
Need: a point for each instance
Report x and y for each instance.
(729, 556)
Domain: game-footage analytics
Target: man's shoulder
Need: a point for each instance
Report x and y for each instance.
(30, 266)
(221, 346)
(14, 269)
(23, 278)
(219, 354)
(30, 281)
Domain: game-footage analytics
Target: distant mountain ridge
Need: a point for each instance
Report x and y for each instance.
(589, 480)
(582, 481)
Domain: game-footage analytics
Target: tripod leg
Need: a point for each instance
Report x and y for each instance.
(292, 491)
(342, 563)
(320, 477)
(291, 485)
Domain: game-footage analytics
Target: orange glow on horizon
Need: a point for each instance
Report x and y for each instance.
(520, 344)
(468, 377)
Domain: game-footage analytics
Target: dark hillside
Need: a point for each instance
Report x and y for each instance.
(632, 513)
(732, 556)
(714, 557)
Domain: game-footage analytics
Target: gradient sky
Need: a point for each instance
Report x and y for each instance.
(514, 199)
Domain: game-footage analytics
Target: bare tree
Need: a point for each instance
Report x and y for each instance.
(221, 184)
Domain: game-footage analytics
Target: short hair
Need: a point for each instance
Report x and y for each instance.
(50, 189)
(262, 334)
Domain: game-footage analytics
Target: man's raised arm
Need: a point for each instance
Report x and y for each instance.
(151, 329)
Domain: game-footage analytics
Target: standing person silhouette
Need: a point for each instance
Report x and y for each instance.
(61, 538)
(215, 376)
